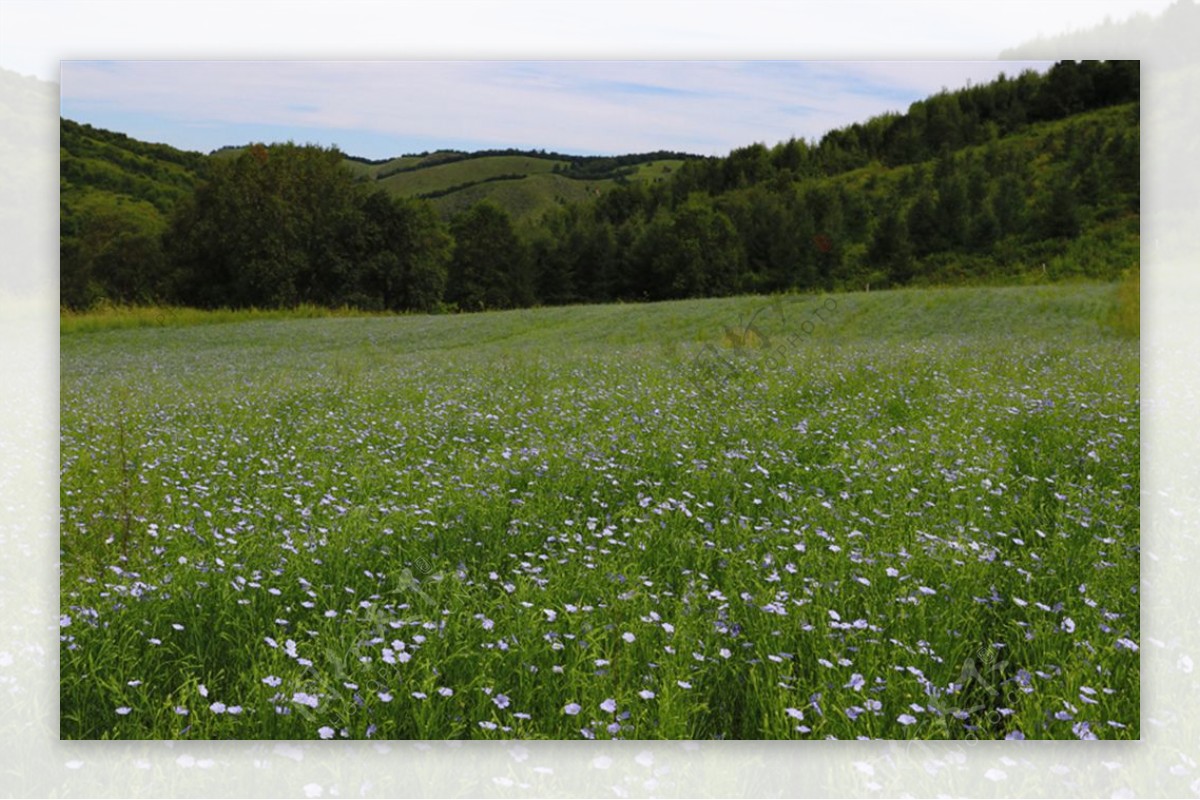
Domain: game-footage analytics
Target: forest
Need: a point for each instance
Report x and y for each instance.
(1031, 177)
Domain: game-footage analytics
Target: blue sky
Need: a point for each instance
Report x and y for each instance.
(378, 109)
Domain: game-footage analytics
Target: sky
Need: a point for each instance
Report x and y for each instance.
(381, 79)
(381, 109)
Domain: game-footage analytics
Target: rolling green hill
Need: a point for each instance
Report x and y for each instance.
(526, 184)
(1025, 179)
(526, 197)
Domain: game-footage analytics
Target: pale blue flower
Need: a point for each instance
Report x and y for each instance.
(305, 699)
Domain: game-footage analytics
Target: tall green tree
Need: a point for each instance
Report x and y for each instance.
(693, 252)
(890, 250)
(274, 226)
(489, 268)
(1058, 213)
(406, 253)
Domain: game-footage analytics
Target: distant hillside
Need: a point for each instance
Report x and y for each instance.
(525, 183)
(1034, 177)
(523, 186)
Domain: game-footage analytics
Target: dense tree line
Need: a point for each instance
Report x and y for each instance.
(287, 224)
(982, 183)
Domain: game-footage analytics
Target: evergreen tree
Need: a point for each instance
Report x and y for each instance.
(890, 249)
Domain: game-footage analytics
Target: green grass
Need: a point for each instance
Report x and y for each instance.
(524, 199)
(114, 317)
(457, 173)
(937, 488)
(537, 189)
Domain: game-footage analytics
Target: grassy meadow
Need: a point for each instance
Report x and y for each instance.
(904, 514)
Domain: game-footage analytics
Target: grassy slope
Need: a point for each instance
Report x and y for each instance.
(457, 173)
(525, 198)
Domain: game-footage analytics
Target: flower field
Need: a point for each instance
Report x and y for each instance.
(908, 514)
